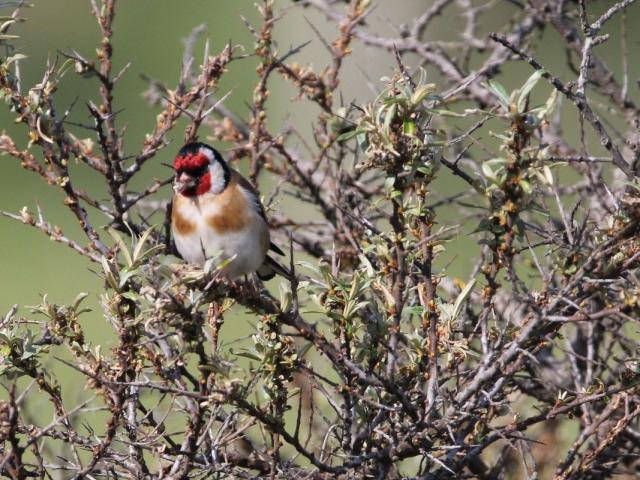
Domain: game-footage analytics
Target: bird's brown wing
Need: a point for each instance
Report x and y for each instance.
(246, 185)
(255, 203)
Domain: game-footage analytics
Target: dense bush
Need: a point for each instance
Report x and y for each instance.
(374, 362)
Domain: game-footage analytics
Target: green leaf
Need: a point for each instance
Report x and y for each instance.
(121, 244)
(247, 354)
(285, 296)
(65, 66)
(413, 310)
(499, 91)
(5, 350)
(388, 118)
(421, 92)
(351, 308)
(78, 300)
(304, 349)
(632, 185)
(425, 169)
(371, 272)
(497, 161)
(141, 242)
(388, 183)
(549, 106)
(14, 58)
(547, 174)
(409, 128)
(487, 225)
(362, 140)
(148, 252)
(111, 280)
(125, 276)
(487, 171)
(394, 100)
(130, 295)
(348, 135)
(527, 87)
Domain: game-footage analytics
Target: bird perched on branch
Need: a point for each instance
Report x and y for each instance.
(216, 210)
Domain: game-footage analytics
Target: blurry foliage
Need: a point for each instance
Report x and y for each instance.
(371, 362)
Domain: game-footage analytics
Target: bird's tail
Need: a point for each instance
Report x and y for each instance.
(270, 268)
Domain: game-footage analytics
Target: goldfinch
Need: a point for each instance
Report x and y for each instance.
(216, 210)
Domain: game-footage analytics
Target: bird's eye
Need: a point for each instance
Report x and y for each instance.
(193, 172)
(198, 172)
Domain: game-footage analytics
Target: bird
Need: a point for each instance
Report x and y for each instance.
(215, 210)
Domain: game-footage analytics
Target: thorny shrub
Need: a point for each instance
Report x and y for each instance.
(374, 361)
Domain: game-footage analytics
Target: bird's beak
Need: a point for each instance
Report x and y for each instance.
(184, 181)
